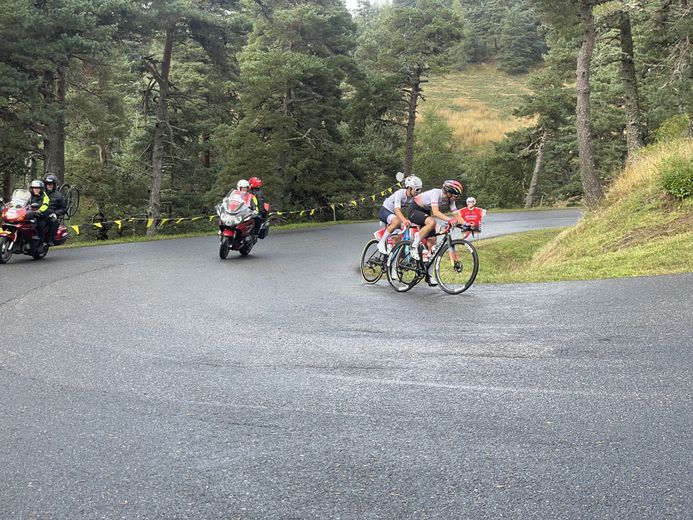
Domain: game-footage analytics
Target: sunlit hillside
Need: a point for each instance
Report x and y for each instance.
(477, 103)
(639, 230)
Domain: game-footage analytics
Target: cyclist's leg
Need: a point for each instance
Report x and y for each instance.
(420, 217)
(391, 221)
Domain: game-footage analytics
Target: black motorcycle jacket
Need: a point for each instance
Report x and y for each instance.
(41, 199)
(58, 204)
(260, 198)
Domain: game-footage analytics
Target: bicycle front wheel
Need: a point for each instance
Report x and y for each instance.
(372, 262)
(456, 266)
(403, 271)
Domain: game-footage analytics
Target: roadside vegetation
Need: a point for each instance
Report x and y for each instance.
(477, 103)
(641, 229)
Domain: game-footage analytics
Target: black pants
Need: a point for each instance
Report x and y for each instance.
(42, 225)
(258, 224)
(53, 229)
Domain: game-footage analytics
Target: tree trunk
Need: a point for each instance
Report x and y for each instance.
(6, 185)
(537, 169)
(411, 122)
(103, 156)
(590, 183)
(54, 136)
(159, 132)
(630, 86)
(206, 156)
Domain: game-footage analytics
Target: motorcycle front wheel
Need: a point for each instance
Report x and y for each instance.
(224, 248)
(5, 250)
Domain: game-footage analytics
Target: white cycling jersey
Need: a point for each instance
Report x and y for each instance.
(433, 197)
(398, 199)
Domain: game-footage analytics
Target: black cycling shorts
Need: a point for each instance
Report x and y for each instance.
(418, 215)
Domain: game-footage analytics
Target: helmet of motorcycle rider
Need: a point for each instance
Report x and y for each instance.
(242, 184)
(453, 187)
(255, 182)
(51, 179)
(414, 183)
(36, 184)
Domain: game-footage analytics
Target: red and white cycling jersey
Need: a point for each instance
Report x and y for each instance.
(433, 197)
(397, 200)
(472, 216)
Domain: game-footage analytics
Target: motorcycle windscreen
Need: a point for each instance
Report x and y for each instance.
(20, 198)
(235, 201)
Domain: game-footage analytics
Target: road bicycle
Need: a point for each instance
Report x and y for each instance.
(455, 263)
(373, 262)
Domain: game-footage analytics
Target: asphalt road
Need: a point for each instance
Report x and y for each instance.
(155, 380)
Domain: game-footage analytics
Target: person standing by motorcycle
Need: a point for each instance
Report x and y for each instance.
(39, 197)
(259, 200)
(57, 206)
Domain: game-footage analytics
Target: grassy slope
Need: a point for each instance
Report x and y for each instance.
(477, 103)
(639, 230)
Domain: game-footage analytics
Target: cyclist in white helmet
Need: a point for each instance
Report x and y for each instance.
(391, 211)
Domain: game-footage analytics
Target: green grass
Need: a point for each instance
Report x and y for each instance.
(640, 230)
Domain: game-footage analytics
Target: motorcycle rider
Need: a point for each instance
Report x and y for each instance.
(38, 196)
(259, 200)
(57, 206)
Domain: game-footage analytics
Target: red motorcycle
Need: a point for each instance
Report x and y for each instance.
(237, 224)
(18, 229)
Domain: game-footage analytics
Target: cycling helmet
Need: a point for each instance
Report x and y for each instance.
(36, 184)
(242, 184)
(50, 178)
(255, 182)
(413, 182)
(471, 200)
(453, 187)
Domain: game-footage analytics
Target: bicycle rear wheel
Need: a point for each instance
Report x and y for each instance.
(456, 267)
(403, 271)
(72, 201)
(372, 262)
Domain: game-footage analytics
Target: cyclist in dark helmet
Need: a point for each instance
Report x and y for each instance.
(426, 209)
(57, 206)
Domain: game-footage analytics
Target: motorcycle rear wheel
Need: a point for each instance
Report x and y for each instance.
(224, 248)
(41, 252)
(5, 250)
(245, 250)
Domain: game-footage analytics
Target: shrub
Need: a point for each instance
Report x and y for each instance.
(672, 128)
(677, 177)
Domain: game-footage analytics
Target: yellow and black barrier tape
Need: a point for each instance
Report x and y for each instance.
(79, 228)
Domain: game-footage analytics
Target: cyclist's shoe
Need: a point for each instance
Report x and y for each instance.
(432, 281)
(382, 246)
(414, 252)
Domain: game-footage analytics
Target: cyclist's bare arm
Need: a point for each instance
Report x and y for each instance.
(403, 220)
(435, 212)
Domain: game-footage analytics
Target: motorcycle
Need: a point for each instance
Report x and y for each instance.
(18, 229)
(237, 224)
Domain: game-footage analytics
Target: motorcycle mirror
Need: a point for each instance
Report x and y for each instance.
(399, 176)
(35, 205)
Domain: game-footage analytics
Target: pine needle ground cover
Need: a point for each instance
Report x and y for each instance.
(477, 104)
(640, 230)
